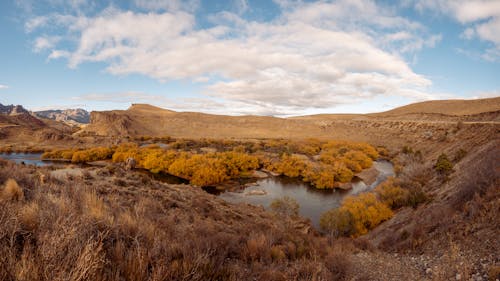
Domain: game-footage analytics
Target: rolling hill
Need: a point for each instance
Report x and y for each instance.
(428, 121)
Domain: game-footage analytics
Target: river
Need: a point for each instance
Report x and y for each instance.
(313, 202)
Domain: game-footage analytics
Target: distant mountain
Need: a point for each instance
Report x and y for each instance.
(12, 109)
(17, 115)
(71, 116)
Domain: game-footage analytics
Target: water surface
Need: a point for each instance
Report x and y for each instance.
(313, 202)
(26, 158)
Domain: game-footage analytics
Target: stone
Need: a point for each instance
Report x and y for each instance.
(259, 174)
(256, 192)
(130, 163)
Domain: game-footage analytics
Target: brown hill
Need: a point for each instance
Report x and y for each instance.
(142, 120)
(380, 129)
(447, 107)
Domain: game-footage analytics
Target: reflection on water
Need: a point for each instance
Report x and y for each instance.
(313, 202)
(26, 158)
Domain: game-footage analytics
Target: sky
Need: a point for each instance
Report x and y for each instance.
(260, 57)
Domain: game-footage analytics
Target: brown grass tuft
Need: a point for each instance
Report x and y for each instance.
(28, 216)
(12, 191)
(96, 209)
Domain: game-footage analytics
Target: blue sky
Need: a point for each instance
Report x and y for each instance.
(247, 57)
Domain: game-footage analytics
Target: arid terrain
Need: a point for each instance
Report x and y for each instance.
(111, 223)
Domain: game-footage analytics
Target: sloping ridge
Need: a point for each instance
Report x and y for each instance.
(147, 120)
(447, 107)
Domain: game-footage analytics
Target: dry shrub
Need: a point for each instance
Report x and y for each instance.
(29, 216)
(339, 265)
(277, 253)
(12, 191)
(128, 223)
(96, 209)
(90, 262)
(256, 247)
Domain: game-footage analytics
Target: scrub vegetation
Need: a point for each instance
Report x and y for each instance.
(323, 164)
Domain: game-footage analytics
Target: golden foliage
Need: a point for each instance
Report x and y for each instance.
(356, 215)
(92, 154)
(392, 194)
(65, 154)
(212, 168)
(338, 161)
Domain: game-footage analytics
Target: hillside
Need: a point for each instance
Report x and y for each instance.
(447, 107)
(380, 129)
(18, 126)
(17, 115)
(146, 120)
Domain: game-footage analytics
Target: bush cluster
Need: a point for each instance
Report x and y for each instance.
(338, 162)
(355, 216)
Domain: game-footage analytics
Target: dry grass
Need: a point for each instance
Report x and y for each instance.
(98, 231)
(11, 191)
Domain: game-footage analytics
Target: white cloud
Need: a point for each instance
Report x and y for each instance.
(2, 87)
(481, 19)
(57, 54)
(313, 56)
(45, 42)
(486, 94)
(168, 5)
(35, 23)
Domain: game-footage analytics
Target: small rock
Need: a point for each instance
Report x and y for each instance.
(428, 271)
(458, 277)
(259, 174)
(256, 192)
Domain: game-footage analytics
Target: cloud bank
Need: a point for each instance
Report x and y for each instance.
(312, 56)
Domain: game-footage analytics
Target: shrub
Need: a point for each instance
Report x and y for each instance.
(366, 212)
(337, 222)
(65, 154)
(407, 150)
(416, 196)
(286, 207)
(356, 215)
(92, 154)
(12, 191)
(443, 166)
(28, 216)
(339, 265)
(392, 194)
